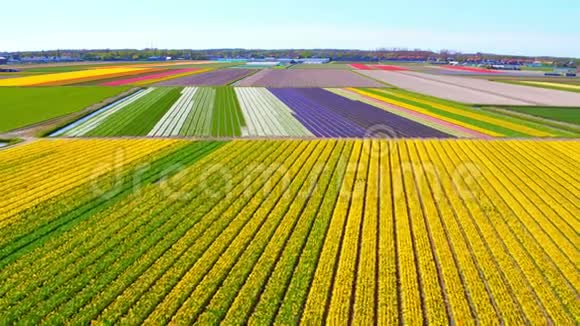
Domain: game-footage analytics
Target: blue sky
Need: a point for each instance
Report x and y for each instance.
(532, 27)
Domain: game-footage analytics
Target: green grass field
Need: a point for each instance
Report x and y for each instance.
(228, 116)
(20, 107)
(569, 115)
(199, 120)
(139, 117)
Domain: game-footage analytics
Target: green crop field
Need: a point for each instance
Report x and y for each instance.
(138, 118)
(570, 115)
(199, 122)
(228, 116)
(20, 107)
(464, 115)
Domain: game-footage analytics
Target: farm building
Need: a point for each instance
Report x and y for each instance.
(3, 60)
(314, 61)
(264, 64)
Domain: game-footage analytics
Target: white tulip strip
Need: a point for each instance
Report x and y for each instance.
(95, 121)
(266, 115)
(173, 120)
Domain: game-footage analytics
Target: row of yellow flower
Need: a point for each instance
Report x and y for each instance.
(388, 299)
(364, 297)
(427, 113)
(529, 232)
(477, 116)
(205, 209)
(497, 216)
(66, 78)
(60, 168)
(339, 309)
(459, 244)
(371, 99)
(520, 128)
(322, 282)
(291, 266)
(246, 233)
(257, 233)
(559, 85)
(490, 286)
(157, 80)
(465, 230)
(258, 260)
(460, 269)
(115, 229)
(262, 216)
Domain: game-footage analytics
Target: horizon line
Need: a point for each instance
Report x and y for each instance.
(380, 49)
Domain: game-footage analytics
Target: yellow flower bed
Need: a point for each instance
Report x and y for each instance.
(559, 85)
(59, 169)
(427, 113)
(157, 80)
(70, 77)
(475, 115)
(362, 232)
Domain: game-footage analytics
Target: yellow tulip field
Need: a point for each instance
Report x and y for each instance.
(387, 232)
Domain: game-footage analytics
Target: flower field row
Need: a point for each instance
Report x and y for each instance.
(459, 119)
(212, 78)
(284, 78)
(130, 74)
(327, 114)
(149, 78)
(359, 66)
(74, 77)
(266, 115)
(172, 122)
(300, 112)
(199, 119)
(181, 74)
(134, 116)
(156, 231)
(574, 87)
(472, 69)
(246, 112)
(475, 91)
(91, 121)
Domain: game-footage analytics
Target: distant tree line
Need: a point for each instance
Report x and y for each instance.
(335, 54)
